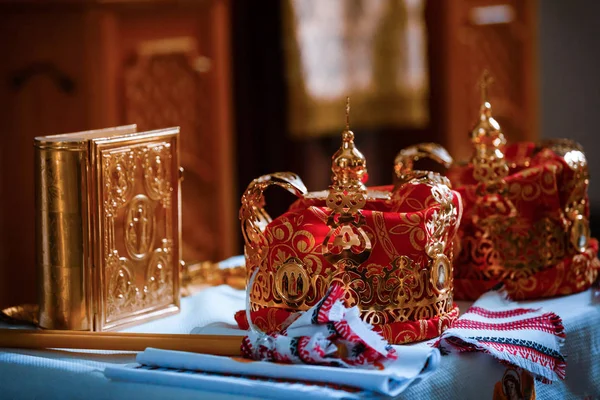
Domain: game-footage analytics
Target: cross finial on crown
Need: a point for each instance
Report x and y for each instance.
(485, 81)
(347, 113)
(349, 166)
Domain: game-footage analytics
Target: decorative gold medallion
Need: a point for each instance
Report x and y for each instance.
(156, 172)
(440, 273)
(580, 233)
(291, 281)
(121, 288)
(158, 274)
(139, 226)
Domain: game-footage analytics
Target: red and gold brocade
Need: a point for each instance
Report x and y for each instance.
(537, 243)
(395, 288)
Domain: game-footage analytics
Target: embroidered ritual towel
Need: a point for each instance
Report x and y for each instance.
(530, 338)
(273, 380)
(326, 334)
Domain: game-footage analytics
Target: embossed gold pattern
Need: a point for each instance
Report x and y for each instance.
(139, 226)
(573, 155)
(126, 294)
(254, 218)
(107, 227)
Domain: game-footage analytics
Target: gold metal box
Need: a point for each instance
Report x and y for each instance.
(107, 227)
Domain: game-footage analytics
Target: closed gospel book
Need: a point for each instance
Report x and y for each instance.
(107, 227)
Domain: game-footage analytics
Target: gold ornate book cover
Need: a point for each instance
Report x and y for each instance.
(107, 227)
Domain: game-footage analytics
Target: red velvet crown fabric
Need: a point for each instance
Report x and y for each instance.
(531, 251)
(395, 296)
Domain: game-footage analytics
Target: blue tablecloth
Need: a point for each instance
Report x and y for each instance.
(63, 374)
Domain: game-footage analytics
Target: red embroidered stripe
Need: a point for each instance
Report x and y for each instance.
(532, 356)
(499, 314)
(541, 323)
(336, 292)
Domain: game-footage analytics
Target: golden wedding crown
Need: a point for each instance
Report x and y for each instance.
(390, 247)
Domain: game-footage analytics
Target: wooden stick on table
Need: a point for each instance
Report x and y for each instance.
(220, 345)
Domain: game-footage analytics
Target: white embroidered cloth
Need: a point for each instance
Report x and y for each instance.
(529, 338)
(54, 374)
(326, 334)
(270, 380)
(335, 354)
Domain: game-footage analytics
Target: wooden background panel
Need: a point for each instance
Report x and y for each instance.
(92, 46)
(497, 35)
(41, 92)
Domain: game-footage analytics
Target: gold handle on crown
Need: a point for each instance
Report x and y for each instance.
(441, 225)
(405, 159)
(576, 203)
(254, 218)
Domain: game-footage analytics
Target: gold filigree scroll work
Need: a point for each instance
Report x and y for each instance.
(121, 289)
(346, 240)
(135, 184)
(494, 212)
(254, 218)
(398, 293)
(573, 155)
(157, 182)
(438, 226)
(511, 248)
(401, 291)
(404, 162)
(158, 275)
(506, 242)
(438, 229)
(156, 173)
(119, 178)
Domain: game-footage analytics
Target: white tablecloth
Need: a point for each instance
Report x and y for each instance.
(61, 374)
